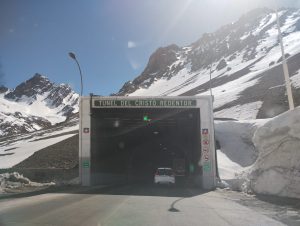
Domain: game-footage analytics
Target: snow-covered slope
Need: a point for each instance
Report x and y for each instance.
(16, 148)
(35, 104)
(247, 75)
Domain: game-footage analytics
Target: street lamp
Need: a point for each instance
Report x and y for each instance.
(72, 55)
(285, 68)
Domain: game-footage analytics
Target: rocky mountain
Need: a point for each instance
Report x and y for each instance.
(35, 104)
(245, 62)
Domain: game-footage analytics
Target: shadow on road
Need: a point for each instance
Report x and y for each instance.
(126, 190)
(172, 207)
(147, 190)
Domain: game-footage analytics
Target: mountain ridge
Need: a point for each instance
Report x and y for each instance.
(35, 104)
(241, 55)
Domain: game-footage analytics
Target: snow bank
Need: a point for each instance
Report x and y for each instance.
(277, 169)
(262, 156)
(237, 152)
(227, 168)
(235, 139)
(15, 181)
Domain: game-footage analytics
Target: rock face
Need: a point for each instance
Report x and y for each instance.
(35, 104)
(158, 67)
(37, 85)
(3, 89)
(245, 61)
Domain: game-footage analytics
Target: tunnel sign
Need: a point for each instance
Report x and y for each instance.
(206, 167)
(205, 149)
(86, 164)
(204, 131)
(144, 103)
(206, 157)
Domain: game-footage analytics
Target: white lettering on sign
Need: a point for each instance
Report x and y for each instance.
(144, 103)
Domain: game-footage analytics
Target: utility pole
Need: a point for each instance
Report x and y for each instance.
(285, 68)
(210, 80)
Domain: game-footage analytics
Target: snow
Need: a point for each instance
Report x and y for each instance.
(289, 25)
(184, 81)
(235, 138)
(243, 159)
(261, 155)
(237, 153)
(227, 168)
(24, 146)
(37, 108)
(163, 85)
(258, 155)
(230, 91)
(277, 169)
(246, 35)
(267, 51)
(295, 80)
(23, 150)
(21, 113)
(269, 19)
(12, 181)
(241, 112)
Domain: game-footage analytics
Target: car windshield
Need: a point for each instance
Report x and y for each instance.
(149, 112)
(165, 171)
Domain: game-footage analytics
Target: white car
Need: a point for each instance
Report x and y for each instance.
(164, 176)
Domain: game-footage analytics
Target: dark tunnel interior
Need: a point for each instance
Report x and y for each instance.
(134, 142)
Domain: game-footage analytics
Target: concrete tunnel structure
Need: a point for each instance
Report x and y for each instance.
(125, 139)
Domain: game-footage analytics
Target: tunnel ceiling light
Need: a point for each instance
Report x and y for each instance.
(116, 123)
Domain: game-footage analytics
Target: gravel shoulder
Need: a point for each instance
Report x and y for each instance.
(285, 210)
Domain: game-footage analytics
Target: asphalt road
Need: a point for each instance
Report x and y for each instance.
(129, 206)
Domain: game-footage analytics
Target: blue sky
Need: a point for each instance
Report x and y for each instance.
(112, 39)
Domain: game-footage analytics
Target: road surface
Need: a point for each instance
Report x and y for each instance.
(129, 206)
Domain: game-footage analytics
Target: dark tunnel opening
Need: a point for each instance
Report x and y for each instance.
(132, 143)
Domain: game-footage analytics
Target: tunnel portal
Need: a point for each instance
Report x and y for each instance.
(125, 139)
(133, 142)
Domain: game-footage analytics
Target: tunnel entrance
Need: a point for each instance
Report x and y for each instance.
(125, 139)
(129, 144)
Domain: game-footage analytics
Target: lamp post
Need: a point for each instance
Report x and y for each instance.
(285, 67)
(72, 55)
